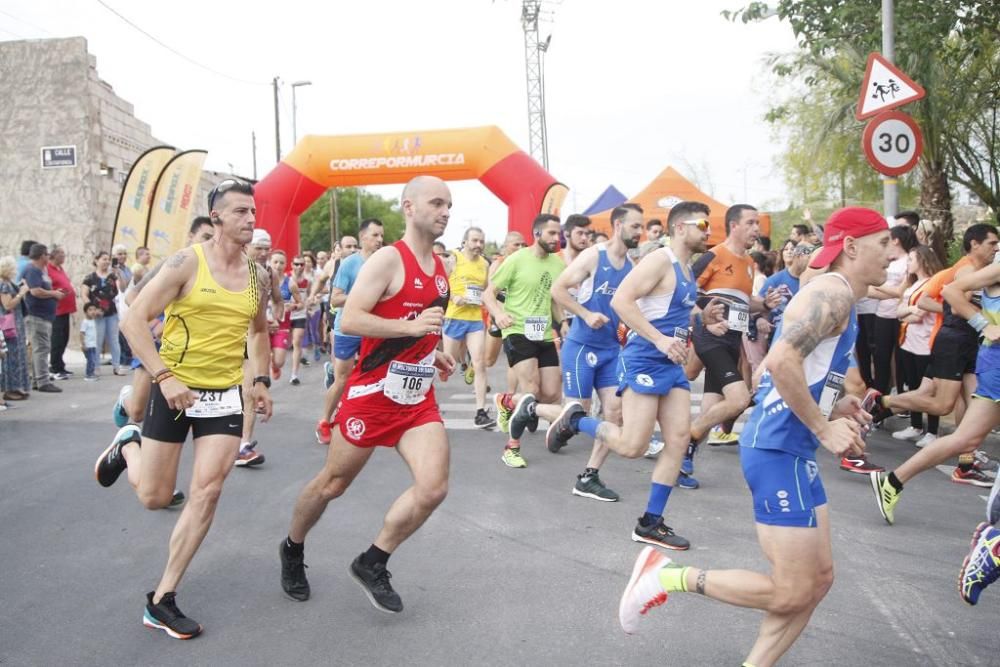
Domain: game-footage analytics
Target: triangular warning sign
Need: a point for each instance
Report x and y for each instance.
(885, 87)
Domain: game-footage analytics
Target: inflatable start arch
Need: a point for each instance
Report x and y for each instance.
(483, 153)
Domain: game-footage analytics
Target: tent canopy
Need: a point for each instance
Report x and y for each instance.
(606, 201)
(668, 189)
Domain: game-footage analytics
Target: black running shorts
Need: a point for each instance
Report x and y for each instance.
(721, 360)
(166, 425)
(299, 324)
(518, 348)
(953, 355)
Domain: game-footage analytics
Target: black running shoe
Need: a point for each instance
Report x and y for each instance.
(659, 534)
(560, 430)
(872, 404)
(111, 463)
(532, 423)
(522, 415)
(177, 499)
(483, 420)
(293, 574)
(165, 616)
(591, 486)
(375, 583)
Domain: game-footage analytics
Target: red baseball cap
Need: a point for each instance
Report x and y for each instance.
(853, 221)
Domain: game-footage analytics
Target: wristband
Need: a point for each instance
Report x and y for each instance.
(263, 379)
(160, 377)
(160, 372)
(978, 322)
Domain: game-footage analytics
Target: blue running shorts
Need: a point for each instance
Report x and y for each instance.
(346, 347)
(786, 489)
(988, 384)
(586, 368)
(459, 329)
(650, 377)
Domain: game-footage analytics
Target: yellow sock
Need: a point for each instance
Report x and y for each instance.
(747, 664)
(673, 578)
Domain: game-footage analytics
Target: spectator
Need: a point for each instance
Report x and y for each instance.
(41, 301)
(119, 261)
(101, 288)
(912, 218)
(23, 261)
(800, 233)
(785, 255)
(762, 244)
(14, 374)
(654, 230)
(88, 340)
(143, 257)
(65, 308)
(901, 241)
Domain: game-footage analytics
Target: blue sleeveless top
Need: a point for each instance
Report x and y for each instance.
(595, 294)
(670, 313)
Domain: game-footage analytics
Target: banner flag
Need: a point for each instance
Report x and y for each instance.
(170, 213)
(137, 196)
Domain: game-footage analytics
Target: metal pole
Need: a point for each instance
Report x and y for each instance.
(295, 131)
(277, 124)
(358, 191)
(336, 216)
(253, 142)
(890, 190)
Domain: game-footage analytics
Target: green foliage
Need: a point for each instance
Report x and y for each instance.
(315, 224)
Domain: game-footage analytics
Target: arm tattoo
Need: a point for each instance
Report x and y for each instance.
(176, 260)
(699, 585)
(827, 313)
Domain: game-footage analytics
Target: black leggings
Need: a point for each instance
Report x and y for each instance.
(886, 337)
(913, 367)
(864, 345)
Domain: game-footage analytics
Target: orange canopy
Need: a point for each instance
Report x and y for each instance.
(666, 190)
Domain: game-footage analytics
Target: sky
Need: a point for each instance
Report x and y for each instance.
(631, 86)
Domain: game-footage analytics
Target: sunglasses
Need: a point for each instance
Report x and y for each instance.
(298, 263)
(223, 187)
(701, 223)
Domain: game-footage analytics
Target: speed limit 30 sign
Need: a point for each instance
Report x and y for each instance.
(892, 143)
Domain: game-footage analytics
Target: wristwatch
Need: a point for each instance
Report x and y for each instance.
(264, 380)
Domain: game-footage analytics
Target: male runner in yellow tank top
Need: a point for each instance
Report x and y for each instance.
(211, 293)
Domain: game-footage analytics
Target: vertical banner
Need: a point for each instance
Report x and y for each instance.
(173, 201)
(137, 196)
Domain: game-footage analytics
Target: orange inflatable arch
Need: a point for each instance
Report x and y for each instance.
(484, 153)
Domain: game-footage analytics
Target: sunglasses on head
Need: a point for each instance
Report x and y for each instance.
(224, 187)
(701, 223)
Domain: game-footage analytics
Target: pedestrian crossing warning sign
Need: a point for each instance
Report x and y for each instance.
(885, 87)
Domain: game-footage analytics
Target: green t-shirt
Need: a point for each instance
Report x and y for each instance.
(528, 281)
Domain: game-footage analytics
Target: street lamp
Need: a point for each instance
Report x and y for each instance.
(295, 134)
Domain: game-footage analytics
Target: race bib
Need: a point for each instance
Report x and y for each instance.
(216, 403)
(407, 384)
(535, 327)
(739, 317)
(682, 333)
(474, 295)
(831, 392)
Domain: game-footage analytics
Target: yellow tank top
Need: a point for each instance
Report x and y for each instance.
(467, 280)
(205, 331)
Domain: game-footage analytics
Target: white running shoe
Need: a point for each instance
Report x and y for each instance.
(655, 447)
(908, 433)
(644, 590)
(926, 440)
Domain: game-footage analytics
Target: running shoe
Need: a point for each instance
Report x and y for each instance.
(687, 482)
(687, 465)
(909, 433)
(328, 375)
(560, 431)
(177, 499)
(483, 419)
(984, 462)
(643, 591)
(872, 404)
(470, 374)
(973, 476)
(659, 534)
(374, 581)
(119, 414)
(860, 465)
(521, 416)
(718, 437)
(981, 566)
(247, 456)
(591, 486)
(294, 381)
(654, 449)
(924, 441)
(323, 433)
(993, 504)
(512, 458)
(532, 423)
(886, 495)
(304, 362)
(293, 574)
(111, 463)
(164, 615)
(503, 414)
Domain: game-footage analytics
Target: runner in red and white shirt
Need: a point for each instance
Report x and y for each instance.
(397, 305)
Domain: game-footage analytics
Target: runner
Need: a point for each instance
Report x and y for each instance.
(211, 296)
(526, 318)
(397, 305)
(657, 302)
(983, 412)
(346, 346)
(726, 272)
(513, 242)
(590, 350)
(279, 330)
(654, 231)
(463, 324)
(797, 410)
(321, 286)
(576, 230)
(296, 286)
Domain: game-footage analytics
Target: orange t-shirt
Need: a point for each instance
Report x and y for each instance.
(932, 288)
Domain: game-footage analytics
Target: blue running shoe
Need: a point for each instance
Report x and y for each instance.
(687, 466)
(993, 504)
(982, 566)
(687, 482)
(119, 414)
(328, 374)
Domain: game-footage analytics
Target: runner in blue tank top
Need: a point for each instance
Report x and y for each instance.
(799, 409)
(589, 354)
(657, 301)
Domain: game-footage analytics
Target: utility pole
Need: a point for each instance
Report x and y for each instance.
(253, 142)
(890, 188)
(277, 124)
(295, 115)
(534, 52)
(334, 219)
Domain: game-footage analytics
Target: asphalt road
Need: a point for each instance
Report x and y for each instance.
(512, 569)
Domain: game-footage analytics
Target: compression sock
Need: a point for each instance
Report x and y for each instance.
(658, 496)
(588, 425)
(374, 556)
(673, 578)
(507, 400)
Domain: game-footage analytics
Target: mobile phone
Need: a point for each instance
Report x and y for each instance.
(114, 263)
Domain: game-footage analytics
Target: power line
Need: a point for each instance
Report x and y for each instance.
(27, 23)
(178, 53)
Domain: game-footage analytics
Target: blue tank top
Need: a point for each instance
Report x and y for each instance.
(772, 424)
(595, 294)
(989, 353)
(670, 313)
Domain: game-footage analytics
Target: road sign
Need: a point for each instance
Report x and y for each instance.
(892, 143)
(58, 156)
(885, 87)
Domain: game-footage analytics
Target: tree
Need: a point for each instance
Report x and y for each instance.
(316, 223)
